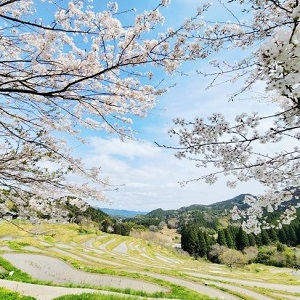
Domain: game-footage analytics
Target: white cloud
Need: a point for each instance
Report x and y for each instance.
(149, 179)
(128, 148)
(147, 176)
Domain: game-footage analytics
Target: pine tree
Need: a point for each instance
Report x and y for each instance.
(252, 240)
(193, 241)
(229, 239)
(234, 231)
(221, 238)
(297, 230)
(202, 250)
(282, 236)
(272, 234)
(291, 236)
(184, 238)
(242, 240)
(210, 240)
(265, 237)
(258, 240)
(189, 239)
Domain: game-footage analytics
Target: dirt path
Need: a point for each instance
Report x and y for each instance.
(240, 290)
(47, 268)
(43, 292)
(52, 269)
(121, 248)
(199, 288)
(271, 286)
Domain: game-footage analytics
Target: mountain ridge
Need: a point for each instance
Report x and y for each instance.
(221, 205)
(122, 212)
(217, 208)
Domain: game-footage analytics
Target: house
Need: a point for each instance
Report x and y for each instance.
(10, 215)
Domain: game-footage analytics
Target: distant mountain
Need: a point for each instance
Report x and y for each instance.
(230, 203)
(217, 207)
(210, 216)
(122, 212)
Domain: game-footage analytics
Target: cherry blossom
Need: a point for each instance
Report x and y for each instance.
(234, 148)
(66, 66)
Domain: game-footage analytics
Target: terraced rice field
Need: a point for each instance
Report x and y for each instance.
(58, 254)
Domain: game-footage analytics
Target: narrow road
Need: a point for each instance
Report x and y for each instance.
(197, 287)
(240, 290)
(43, 292)
(271, 286)
(52, 269)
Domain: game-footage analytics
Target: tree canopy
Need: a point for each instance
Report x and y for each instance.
(253, 146)
(65, 66)
(68, 65)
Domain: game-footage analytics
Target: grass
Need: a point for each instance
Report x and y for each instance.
(180, 294)
(17, 274)
(87, 296)
(175, 291)
(116, 243)
(16, 245)
(9, 295)
(183, 293)
(97, 243)
(69, 233)
(242, 296)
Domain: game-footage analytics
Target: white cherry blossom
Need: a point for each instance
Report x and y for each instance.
(65, 66)
(234, 148)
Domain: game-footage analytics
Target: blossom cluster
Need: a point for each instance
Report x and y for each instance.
(76, 66)
(239, 148)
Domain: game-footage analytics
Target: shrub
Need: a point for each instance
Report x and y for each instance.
(233, 258)
(280, 247)
(153, 228)
(250, 253)
(215, 253)
(264, 254)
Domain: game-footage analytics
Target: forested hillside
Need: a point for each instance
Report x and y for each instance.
(210, 216)
(207, 231)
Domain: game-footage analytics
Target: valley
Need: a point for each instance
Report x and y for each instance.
(59, 259)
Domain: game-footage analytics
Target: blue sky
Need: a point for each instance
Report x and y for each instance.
(147, 176)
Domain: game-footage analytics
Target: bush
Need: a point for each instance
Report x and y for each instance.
(290, 257)
(280, 247)
(216, 252)
(264, 254)
(277, 260)
(250, 253)
(233, 258)
(153, 228)
(280, 256)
